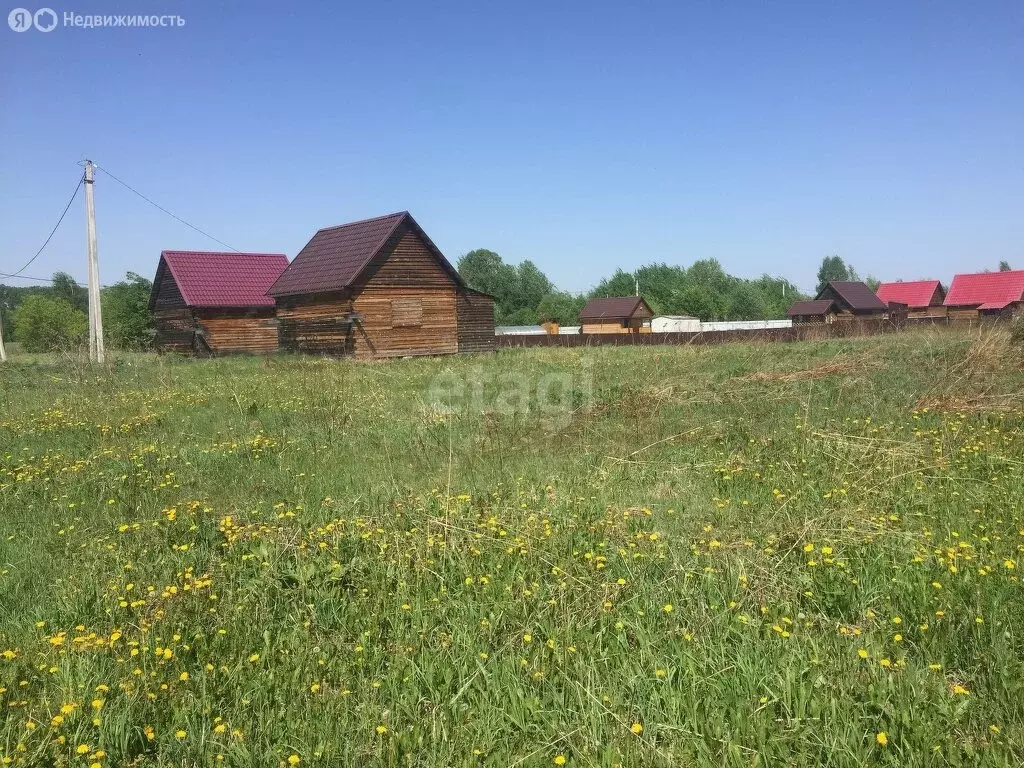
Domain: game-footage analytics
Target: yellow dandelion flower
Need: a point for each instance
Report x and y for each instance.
(881, 738)
(667, 608)
(294, 760)
(636, 728)
(559, 760)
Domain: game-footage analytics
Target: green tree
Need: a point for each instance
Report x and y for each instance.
(65, 288)
(531, 285)
(44, 324)
(619, 284)
(127, 322)
(872, 282)
(561, 306)
(1004, 266)
(834, 268)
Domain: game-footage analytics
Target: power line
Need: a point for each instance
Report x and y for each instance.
(50, 236)
(161, 208)
(46, 280)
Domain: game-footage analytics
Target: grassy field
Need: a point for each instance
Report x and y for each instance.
(789, 554)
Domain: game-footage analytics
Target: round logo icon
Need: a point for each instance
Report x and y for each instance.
(20, 20)
(45, 19)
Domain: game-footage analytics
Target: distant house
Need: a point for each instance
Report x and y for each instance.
(813, 312)
(379, 288)
(923, 297)
(853, 298)
(212, 303)
(621, 314)
(986, 294)
(675, 324)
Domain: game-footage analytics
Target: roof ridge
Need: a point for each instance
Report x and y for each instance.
(363, 221)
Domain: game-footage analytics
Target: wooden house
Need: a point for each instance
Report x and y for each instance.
(853, 299)
(618, 314)
(986, 295)
(923, 297)
(819, 311)
(379, 288)
(214, 303)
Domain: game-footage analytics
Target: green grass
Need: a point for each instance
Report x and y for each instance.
(733, 556)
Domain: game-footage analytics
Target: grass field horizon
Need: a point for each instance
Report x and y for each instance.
(741, 555)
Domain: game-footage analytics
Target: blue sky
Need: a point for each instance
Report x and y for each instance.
(582, 136)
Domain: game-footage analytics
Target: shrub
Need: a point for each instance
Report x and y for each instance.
(1017, 331)
(42, 324)
(127, 322)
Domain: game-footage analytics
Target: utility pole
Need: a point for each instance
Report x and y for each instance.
(95, 310)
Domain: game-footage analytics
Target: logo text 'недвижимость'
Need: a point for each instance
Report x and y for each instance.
(47, 19)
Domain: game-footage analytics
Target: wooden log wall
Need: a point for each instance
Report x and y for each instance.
(175, 330)
(378, 335)
(476, 322)
(227, 332)
(318, 325)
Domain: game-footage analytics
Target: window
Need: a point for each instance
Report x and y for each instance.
(406, 313)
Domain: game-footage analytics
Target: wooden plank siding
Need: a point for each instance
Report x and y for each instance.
(476, 322)
(251, 332)
(377, 334)
(175, 330)
(318, 324)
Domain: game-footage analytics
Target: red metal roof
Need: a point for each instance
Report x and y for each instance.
(986, 290)
(334, 257)
(614, 308)
(916, 294)
(210, 279)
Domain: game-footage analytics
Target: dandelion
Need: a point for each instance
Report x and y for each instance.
(667, 608)
(862, 652)
(82, 749)
(527, 638)
(881, 738)
(294, 760)
(183, 676)
(381, 730)
(559, 760)
(636, 728)
(179, 735)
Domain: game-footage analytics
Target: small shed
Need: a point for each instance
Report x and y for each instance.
(675, 324)
(986, 295)
(619, 314)
(923, 297)
(379, 288)
(813, 312)
(212, 303)
(853, 298)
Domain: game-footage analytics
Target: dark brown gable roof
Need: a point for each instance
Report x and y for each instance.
(615, 308)
(334, 258)
(856, 295)
(817, 307)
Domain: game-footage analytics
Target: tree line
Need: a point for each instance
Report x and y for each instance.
(525, 296)
(54, 317)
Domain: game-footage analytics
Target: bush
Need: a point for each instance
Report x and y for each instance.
(127, 322)
(42, 324)
(1017, 331)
